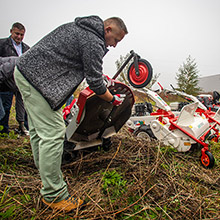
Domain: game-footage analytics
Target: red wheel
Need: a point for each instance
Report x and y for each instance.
(207, 160)
(145, 74)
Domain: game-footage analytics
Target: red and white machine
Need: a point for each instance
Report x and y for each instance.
(212, 116)
(181, 129)
(91, 121)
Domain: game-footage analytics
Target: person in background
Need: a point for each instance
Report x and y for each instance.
(47, 75)
(7, 65)
(13, 46)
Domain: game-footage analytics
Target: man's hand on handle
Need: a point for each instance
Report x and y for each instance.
(118, 99)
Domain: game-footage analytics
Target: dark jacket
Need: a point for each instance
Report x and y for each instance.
(7, 65)
(7, 48)
(60, 61)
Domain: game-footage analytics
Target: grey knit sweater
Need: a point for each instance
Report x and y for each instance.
(59, 62)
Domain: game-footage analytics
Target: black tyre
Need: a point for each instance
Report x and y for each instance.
(144, 132)
(145, 74)
(207, 160)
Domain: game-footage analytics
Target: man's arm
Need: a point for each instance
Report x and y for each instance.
(92, 55)
(107, 96)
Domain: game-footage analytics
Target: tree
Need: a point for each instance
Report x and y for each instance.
(187, 78)
(123, 75)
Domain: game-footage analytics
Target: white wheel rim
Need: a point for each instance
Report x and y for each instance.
(143, 135)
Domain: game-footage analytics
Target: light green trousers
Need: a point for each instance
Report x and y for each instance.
(47, 130)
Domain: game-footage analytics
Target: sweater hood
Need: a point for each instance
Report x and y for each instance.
(93, 24)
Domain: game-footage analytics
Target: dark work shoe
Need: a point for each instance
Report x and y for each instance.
(68, 204)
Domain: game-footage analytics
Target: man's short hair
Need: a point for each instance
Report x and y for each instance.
(119, 22)
(18, 26)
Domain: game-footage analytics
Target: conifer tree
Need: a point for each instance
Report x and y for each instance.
(188, 78)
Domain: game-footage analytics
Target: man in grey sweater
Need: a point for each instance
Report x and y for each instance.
(47, 75)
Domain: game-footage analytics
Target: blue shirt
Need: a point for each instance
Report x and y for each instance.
(18, 47)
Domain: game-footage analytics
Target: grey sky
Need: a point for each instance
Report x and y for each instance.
(165, 32)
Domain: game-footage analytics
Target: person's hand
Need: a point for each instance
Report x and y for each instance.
(108, 81)
(118, 99)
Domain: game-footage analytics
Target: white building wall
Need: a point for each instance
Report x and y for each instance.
(210, 83)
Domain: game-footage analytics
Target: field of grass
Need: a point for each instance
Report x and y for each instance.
(135, 179)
